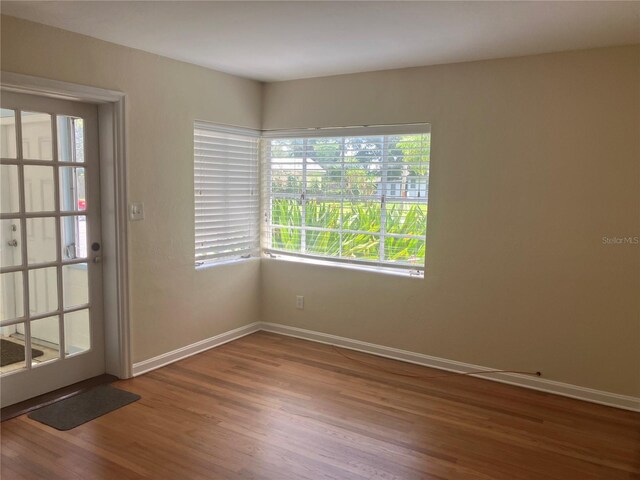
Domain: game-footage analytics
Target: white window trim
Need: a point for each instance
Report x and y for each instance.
(347, 131)
(401, 270)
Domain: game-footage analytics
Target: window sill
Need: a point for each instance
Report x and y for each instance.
(206, 265)
(399, 272)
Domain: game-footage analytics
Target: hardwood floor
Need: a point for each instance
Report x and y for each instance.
(273, 407)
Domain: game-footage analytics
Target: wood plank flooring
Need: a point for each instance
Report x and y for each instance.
(272, 407)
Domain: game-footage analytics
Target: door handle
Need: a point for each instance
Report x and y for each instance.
(12, 243)
(97, 259)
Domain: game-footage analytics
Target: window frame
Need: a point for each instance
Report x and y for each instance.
(344, 132)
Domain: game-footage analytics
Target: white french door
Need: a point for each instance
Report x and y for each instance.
(51, 324)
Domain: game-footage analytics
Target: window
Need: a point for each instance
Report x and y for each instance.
(226, 193)
(360, 199)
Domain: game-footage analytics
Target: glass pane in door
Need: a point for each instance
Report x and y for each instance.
(9, 189)
(36, 136)
(77, 332)
(13, 356)
(73, 237)
(41, 240)
(70, 139)
(7, 133)
(43, 290)
(75, 285)
(72, 189)
(45, 340)
(38, 189)
(11, 238)
(11, 288)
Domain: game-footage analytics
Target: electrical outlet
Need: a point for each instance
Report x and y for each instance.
(300, 302)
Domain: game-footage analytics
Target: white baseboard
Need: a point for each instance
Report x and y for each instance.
(550, 386)
(198, 347)
(536, 383)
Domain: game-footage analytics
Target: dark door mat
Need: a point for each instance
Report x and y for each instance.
(31, 404)
(71, 412)
(11, 352)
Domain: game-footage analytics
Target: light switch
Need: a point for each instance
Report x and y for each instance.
(136, 211)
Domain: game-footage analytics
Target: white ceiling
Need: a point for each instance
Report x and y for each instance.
(272, 41)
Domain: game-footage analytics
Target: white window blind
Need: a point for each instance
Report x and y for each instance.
(359, 199)
(226, 192)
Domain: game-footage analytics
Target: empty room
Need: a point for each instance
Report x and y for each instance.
(320, 240)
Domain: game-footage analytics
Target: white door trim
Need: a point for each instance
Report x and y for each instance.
(113, 173)
(16, 82)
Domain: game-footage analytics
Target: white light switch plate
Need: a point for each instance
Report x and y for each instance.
(136, 211)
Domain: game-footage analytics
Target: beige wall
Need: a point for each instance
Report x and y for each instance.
(172, 305)
(534, 160)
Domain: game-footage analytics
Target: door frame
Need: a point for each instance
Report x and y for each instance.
(114, 200)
